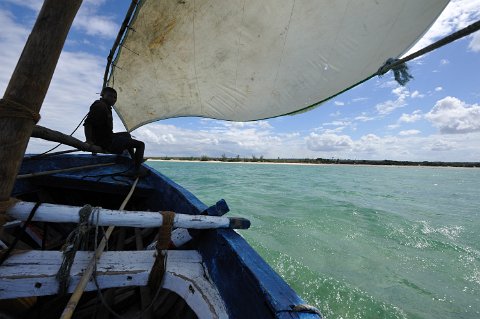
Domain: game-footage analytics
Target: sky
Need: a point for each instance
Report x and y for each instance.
(435, 117)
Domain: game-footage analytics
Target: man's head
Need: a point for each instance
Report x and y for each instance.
(109, 95)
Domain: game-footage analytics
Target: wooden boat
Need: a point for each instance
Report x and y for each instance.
(214, 275)
(191, 264)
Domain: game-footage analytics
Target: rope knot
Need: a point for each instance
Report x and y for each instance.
(13, 109)
(400, 72)
(71, 246)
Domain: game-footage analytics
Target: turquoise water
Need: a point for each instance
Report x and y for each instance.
(357, 241)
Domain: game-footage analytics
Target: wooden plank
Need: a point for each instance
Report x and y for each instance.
(33, 273)
(107, 217)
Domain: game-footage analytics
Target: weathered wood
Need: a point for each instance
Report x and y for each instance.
(55, 136)
(29, 84)
(80, 288)
(36, 174)
(33, 273)
(109, 294)
(107, 217)
(145, 297)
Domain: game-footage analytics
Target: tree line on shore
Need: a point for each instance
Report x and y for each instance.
(261, 159)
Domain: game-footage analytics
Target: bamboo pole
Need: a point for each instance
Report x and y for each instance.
(29, 84)
(78, 292)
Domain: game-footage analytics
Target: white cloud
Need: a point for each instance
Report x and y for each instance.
(34, 5)
(338, 123)
(457, 15)
(215, 138)
(389, 106)
(94, 24)
(87, 18)
(452, 116)
(393, 126)
(73, 88)
(364, 118)
(328, 142)
(359, 99)
(416, 94)
(440, 146)
(444, 61)
(475, 43)
(339, 103)
(438, 88)
(335, 130)
(410, 118)
(409, 147)
(409, 132)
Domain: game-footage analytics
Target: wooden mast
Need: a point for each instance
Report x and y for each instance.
(28, 86)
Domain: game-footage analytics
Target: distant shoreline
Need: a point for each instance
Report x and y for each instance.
(318, 161)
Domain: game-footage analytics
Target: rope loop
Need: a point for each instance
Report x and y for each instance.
(400, 71)
(71, 246)
(13, 109)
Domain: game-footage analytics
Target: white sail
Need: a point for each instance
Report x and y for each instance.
(245, 60)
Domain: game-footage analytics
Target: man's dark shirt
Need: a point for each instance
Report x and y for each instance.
(101, 121)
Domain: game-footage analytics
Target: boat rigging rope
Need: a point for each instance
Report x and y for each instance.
(397, 63)
(53, 148)
(12, 109)
(164, 241)
(80, 288)
(71, 246)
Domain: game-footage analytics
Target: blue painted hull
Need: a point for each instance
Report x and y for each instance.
(248, 285)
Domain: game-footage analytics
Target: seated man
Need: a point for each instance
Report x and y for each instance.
(99, 130)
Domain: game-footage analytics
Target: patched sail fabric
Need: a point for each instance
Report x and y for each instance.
(245, 60)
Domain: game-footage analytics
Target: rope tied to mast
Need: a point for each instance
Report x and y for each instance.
(401, 67)
(12, 109)
(400, 71)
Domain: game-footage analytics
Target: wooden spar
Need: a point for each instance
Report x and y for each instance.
(181, 236)
(82, 284)
(29, 84)
(63, 170)
(55, 136)
(106, 217)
